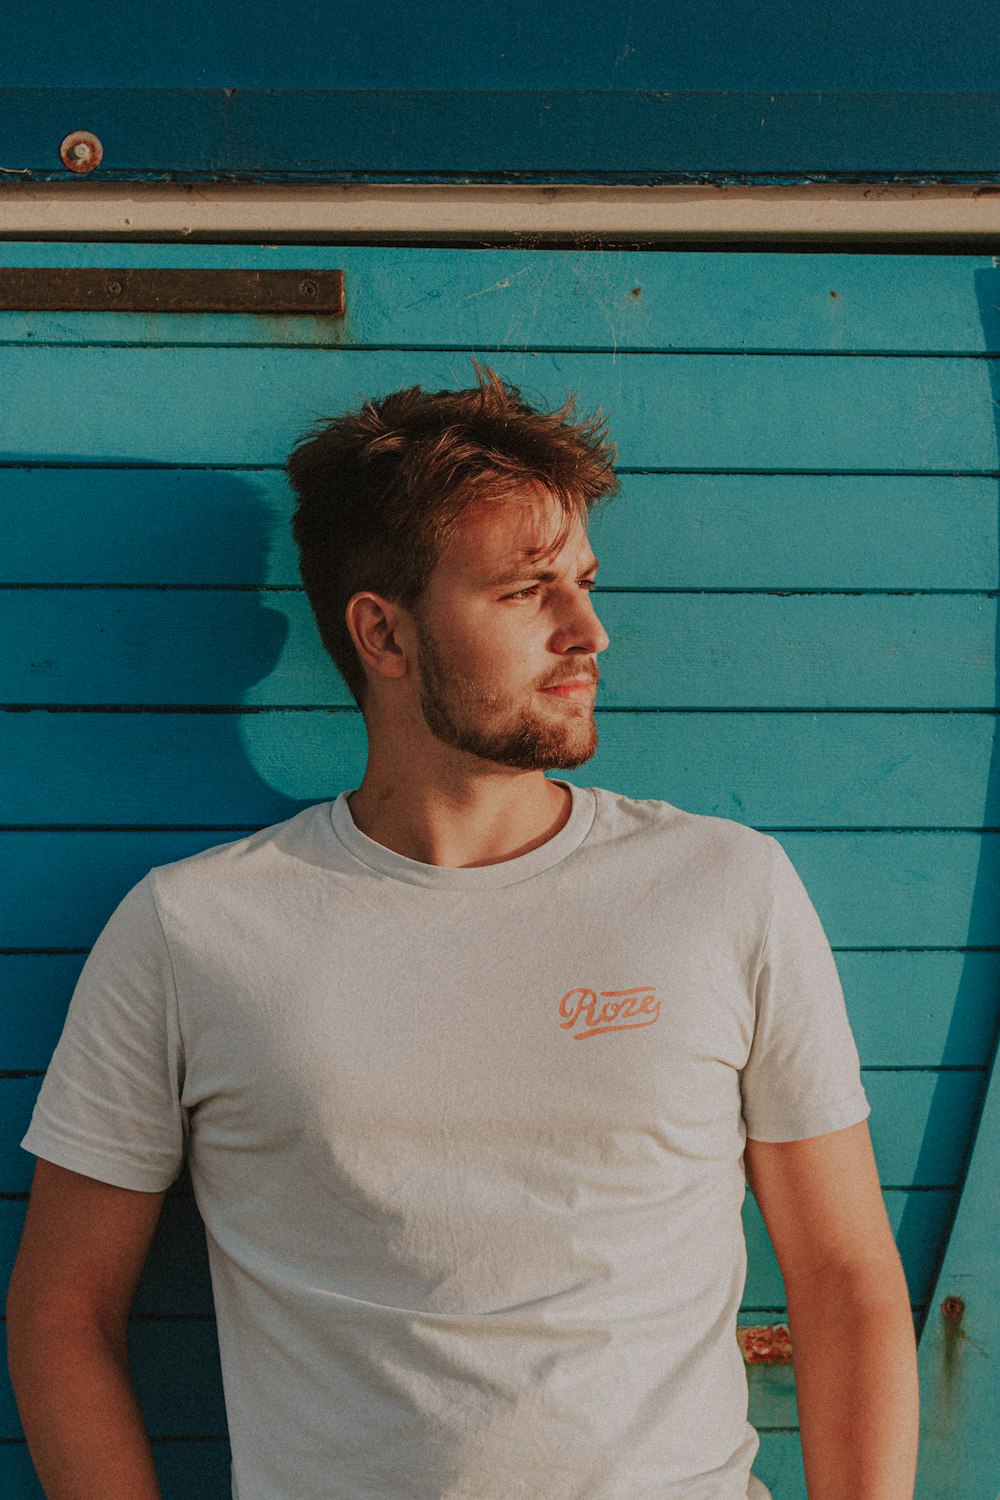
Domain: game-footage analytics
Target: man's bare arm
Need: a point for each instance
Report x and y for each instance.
(83, 1249)
(848, 1312)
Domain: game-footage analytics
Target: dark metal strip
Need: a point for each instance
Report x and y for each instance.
(86, 289)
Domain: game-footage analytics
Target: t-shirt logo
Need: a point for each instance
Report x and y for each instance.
(613, 1015)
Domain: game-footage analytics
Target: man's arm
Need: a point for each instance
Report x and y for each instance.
(848, 1312)
(83, 1249)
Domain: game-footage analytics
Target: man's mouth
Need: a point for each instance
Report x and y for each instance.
(579, 688)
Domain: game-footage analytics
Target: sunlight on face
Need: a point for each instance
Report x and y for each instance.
(487, 650)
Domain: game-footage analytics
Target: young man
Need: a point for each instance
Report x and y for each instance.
(468, 1064)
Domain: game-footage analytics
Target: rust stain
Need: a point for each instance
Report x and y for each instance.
(952, 1310)
(765, 1344)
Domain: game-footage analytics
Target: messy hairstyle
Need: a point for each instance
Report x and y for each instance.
(381, 489)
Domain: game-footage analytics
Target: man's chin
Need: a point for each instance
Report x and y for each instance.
(530, 743)
(552, 752)
(570, 762)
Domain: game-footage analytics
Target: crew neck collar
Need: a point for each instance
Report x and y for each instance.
(475, 877)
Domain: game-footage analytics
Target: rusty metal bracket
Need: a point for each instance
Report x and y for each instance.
(168, 290)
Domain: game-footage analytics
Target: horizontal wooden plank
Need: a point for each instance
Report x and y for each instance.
(774, 770)
(920, 1124)
(872, 890)
(187, 1470)
(922, 1009)
(796, 531)
(736, 531)
(568, 44)
(216, 406)
(407, 133)
(901, 890)
(917, 1010)
(681, 650)
(623, 299)
(176, 1282)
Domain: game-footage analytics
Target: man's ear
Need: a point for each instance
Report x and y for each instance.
(382, 633)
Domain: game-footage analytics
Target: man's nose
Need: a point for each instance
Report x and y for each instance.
(582, 630)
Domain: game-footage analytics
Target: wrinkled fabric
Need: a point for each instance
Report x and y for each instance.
(467, 1142)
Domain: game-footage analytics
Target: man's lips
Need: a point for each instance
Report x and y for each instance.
(580, 688)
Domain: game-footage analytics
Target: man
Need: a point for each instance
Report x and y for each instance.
(468, 1064)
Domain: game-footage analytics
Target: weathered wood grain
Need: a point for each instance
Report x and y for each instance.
(668, 650)
(783, 769)
(610, 299)
(224, 406)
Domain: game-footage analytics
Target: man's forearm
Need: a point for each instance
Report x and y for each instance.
(80, 1415)
(856, 1388)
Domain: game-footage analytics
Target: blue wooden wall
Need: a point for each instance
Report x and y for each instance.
(799, 580)
(502, 90)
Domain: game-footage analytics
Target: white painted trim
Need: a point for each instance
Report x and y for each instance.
(363, 211)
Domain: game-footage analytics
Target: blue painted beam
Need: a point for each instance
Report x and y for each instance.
(650, 135)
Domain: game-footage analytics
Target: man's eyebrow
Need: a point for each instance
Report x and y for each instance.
(525, 570)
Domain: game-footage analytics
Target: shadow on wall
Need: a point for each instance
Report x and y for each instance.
(984, 925)
(172, 614)
(131, 671)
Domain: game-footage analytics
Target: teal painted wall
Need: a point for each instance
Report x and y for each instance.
(800, 583)
(578, 90)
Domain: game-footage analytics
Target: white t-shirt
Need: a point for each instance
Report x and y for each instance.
(467, 1142)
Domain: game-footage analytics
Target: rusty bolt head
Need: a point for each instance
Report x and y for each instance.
(81, 151)
(308, 288)
(114, 288)
(953, 1308)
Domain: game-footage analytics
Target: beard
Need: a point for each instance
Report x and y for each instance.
(461, 712)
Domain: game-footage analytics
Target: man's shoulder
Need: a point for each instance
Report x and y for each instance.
(693, 834)
(247, 857)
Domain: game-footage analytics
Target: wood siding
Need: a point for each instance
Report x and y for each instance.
(799, 579)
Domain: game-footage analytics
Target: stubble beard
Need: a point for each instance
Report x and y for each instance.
(463, 714)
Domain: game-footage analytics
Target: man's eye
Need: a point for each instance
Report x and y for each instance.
(587, 583)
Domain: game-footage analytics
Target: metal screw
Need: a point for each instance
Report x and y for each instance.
(114, 288)
(308, 288)
(953, 1308)
(81, 151)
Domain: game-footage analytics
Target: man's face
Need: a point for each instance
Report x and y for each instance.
(503, 621)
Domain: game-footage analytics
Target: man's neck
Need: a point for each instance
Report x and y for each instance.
(482, 821)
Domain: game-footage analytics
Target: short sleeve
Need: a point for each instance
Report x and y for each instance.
(802, 1077)
(110, 1103)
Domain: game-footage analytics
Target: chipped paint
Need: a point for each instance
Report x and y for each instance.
(765, 1344)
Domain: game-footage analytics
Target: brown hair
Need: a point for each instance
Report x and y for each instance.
(380, 490)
